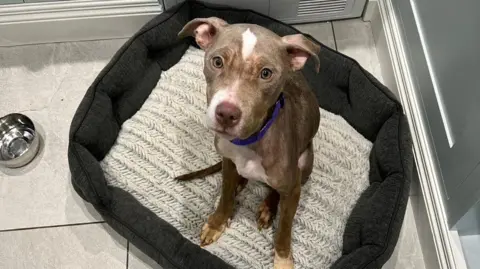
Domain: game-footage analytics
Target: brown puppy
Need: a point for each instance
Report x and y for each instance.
(264, 117)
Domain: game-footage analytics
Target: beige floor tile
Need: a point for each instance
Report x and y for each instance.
(408, 252)
(89, 246)
(30, 76)
(321, 31)
(355, 39)
(138, 260)
(424, 231)
(47, 82)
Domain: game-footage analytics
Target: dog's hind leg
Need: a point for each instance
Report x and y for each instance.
(241, 185)
(201, 173)
(267, 210)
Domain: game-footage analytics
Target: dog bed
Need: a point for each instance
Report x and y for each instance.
(141, 123)
(167, 138)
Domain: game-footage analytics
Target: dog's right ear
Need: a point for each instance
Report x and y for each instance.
(203, 29)
(300, 48)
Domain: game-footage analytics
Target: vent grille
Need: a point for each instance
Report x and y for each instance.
(317, 7)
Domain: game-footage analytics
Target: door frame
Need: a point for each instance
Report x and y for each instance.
(446, 240)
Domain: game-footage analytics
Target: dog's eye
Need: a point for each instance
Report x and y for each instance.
(266, 73)
(217, 62)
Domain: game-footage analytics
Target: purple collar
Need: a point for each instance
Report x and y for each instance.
(259, 135)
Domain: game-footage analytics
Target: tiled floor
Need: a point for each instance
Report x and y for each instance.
(44, 224)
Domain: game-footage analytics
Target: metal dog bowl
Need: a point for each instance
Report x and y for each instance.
(19, 142)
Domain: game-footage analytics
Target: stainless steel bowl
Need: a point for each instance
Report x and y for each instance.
(19, 142)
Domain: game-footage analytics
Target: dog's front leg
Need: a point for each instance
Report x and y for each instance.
(283, 236)
(217, 222)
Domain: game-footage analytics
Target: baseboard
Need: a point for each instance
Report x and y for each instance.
(448, 254)
(372, 14)
(47, 22)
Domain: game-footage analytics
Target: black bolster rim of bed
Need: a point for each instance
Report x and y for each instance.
(342, 87)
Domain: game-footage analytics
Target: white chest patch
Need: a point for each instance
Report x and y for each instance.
(248, 43)
(248, 162)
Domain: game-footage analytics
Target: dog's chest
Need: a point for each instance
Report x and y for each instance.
(248, 162)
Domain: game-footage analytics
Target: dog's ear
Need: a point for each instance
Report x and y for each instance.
(299, 48)
(203, 29)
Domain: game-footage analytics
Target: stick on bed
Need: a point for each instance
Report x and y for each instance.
(201, 173)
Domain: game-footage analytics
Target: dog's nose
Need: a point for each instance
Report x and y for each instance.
(227, 114)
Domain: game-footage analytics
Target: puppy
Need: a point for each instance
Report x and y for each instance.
(264, 116)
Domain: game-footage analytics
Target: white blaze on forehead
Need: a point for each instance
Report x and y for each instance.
(248, 43)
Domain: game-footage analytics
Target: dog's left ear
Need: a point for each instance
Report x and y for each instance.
(300, 48)
(203, 29)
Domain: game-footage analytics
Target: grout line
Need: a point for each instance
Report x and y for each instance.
(51, 226)
(128, 252)
(63, 42)
(334, 37)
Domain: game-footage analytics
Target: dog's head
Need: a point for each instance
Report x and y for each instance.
(245, 67)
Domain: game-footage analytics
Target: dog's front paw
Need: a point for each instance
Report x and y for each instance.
(210, 234)
(282, 263)
(265, 216)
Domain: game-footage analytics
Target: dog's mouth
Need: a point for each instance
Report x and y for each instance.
(224, 133)
(230, 133)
